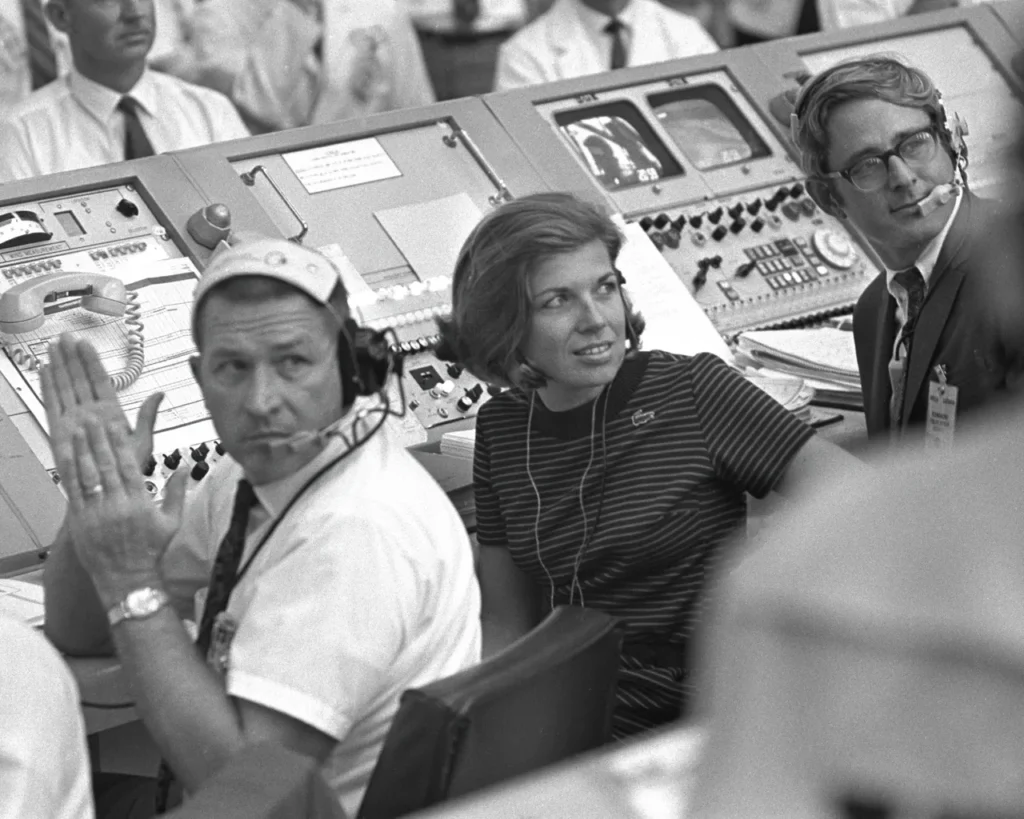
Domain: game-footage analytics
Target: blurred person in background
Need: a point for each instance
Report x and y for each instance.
(288, 63)
(756, 21)
(579, 37)
(32, 52)
(868, 659)
(110, 106)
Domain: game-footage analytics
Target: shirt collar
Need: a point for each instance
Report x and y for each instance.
(930, 255)
(356, 425)
(101, 101)
(595, 21)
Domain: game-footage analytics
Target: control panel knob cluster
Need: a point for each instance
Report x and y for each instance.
(834, 248)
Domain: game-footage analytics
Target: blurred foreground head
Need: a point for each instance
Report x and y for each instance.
(869, 660)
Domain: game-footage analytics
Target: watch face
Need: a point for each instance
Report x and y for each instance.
(143, 602)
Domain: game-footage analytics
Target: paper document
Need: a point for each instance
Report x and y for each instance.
(22, 600)
(460, 444)
(341, 165)
(675, 321)
(429, 234)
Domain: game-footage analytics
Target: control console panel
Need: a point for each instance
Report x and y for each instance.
(391, 204)
(99, 264)
(768, 258)
(690, 158)
(435, 392)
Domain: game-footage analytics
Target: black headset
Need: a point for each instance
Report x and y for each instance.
(364, 360)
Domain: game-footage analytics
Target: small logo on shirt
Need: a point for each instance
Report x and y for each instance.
(640, 417)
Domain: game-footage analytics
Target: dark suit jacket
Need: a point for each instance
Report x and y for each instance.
(972, 321)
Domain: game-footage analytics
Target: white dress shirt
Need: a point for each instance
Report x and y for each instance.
(364, 590)
(926, 264)
(74, 123)
(361, 57)
(593, 27)
(569, 40)
(15, 79)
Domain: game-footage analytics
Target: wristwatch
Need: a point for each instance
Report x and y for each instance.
(138, 605)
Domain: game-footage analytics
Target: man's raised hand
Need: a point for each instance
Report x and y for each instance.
(76, 387)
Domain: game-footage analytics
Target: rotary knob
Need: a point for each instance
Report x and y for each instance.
(834, 248)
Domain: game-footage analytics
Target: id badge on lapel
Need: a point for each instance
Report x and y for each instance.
(224, 628)
(940, 423)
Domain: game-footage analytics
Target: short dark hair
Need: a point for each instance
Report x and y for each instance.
(490, 316)
(877, 76)
(256, 288)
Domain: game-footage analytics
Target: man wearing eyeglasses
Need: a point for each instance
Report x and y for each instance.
(883, 154)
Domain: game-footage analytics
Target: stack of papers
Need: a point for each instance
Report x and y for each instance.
(459, 444)
(794, 394)
(824, 357)
(22, 600)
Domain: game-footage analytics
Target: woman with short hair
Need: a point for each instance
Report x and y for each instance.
(605, 476)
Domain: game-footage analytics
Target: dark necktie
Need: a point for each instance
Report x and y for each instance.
(136, 143)
(222, 582)
(42, 62)
(617, 29)
(913, 282)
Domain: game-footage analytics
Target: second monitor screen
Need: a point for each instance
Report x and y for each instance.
(707, 127)
(617, 145)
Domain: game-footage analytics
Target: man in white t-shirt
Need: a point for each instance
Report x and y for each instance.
(44, 765)
(343, 576)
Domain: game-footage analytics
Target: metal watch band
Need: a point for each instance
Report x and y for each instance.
(138, 604)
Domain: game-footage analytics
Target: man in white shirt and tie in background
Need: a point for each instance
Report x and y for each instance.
(32, 53)
(109, 107)
(579, 37)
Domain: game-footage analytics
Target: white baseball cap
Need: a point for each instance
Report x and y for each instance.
(306, 270)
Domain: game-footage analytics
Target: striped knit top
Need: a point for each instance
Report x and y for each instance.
(632, 494)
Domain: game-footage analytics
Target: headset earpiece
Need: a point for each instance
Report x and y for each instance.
(630, 330)
(529, 377)
(364, 361)
(821, 192)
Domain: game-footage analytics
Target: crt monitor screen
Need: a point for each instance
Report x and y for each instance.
(707, 127)
(617, 145)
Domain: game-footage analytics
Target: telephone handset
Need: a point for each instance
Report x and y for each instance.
(21, 311)
(21, 307)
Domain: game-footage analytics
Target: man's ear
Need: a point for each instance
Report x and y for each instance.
(825, 198)
(57, 14)
(193, 364)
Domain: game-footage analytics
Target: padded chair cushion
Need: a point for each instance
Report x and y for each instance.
(548, 696)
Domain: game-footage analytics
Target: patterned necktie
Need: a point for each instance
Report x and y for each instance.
(913, 282)
(42, 62)
(617, 29)
(222, 581)
(136, 143)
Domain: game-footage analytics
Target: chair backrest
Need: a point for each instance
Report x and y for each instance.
(264, 782)
(546, 697)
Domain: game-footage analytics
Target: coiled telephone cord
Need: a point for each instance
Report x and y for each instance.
(135, 354)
